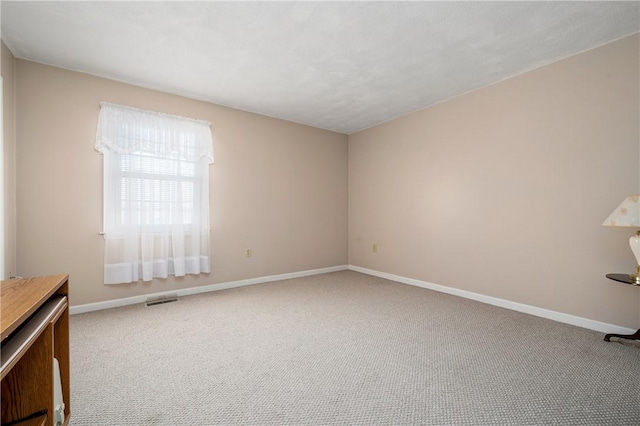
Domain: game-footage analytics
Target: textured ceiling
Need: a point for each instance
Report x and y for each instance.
(340, 66)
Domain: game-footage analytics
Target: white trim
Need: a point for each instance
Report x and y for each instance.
(514, 306)
(89, 307)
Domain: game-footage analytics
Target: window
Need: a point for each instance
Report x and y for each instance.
(156, 194)
(160, 191)
(153, 190)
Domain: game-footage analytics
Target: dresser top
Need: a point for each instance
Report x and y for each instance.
(21, 298)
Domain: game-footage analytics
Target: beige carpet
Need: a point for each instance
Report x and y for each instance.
(344, 349)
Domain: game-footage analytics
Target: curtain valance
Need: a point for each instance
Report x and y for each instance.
(126, 130)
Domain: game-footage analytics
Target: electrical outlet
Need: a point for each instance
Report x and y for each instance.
(247, 252)
(374, 247)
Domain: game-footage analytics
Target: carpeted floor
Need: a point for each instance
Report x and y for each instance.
(344, 349)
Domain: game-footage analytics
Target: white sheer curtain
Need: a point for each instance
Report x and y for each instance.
(156, 194)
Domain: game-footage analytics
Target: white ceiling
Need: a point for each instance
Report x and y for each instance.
(339, 66)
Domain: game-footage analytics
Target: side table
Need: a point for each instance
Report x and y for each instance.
(623, 278)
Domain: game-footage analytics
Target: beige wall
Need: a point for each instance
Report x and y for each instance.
(502, 191)
(277, 187)
(9, 161)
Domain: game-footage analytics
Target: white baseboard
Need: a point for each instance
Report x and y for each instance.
(515, 306)
(89, 307)
(520, 307)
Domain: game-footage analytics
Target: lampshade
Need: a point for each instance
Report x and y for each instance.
(627, 214)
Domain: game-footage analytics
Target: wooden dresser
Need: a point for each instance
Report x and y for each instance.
(35, 329)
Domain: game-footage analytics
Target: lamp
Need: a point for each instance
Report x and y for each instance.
(627, 214)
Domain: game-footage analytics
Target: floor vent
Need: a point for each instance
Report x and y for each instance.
(160, 300)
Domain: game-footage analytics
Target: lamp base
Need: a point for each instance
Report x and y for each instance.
(635, 277)
(634, 242)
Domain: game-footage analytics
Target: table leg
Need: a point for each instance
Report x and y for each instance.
(634, 336)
